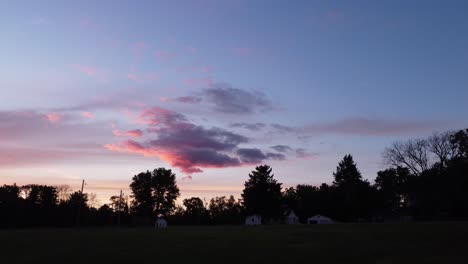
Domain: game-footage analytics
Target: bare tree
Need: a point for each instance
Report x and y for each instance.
(63, 192)
(92, 200)
(412, 154)
(441, 146)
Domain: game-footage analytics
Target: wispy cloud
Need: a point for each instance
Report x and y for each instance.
(54, 117)
(304, 154)
(199, 81)
(282, 148)
(250, 126)
(136, 133)
(163, 54)
(88, 115)
(362, 126)
(192, 49)
(39, 21)
(228, 99)
(256, 156)
(138, 49)
(32, 137)
(205, 69)
(86, 69)
(188, 99)
(92, 71)
(133, 77)
(242, 51)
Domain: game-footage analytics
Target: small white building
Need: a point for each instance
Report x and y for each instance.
(320, 219)
(160, 223)
(253, 220)
(291, 218)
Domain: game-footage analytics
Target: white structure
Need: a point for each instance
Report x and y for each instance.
(291, 218)
(160, 223)
(319, 219)
(253, 220)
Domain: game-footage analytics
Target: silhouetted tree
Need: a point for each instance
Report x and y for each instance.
(63, 192)
(354, 196)
(78, 199)
(225, 210)
(195, 211)
(262, 193)
(290, 199)
(40, 196)
(308, 200)
(459, 141)
(154, 193)
(441, 146)
(347, 172)
(393, 188)
(117, 204)
(413, 154)
(10, 205)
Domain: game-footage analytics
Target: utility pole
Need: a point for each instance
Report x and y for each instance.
(119, 208)
(79, 205)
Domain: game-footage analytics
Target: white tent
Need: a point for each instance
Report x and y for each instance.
(253, 220)
(320, 219)
(291, 218)
(160, 223)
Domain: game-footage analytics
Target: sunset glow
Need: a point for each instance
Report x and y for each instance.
(215, 88)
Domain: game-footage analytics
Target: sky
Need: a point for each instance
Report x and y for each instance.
(103, 90)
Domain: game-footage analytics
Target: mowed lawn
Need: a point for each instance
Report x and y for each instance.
(341, 243)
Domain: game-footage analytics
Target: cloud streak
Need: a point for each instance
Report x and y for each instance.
(88, 115)
(231, 100)
(282, 148)
(136, 133)
(362, 127)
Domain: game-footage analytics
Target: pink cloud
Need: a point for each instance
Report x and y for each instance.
(191, 49)
(188, 146)
(203, 81)
(28, 138)
(54, 117)
(133, 77)
(140, 45)
(159, 116)
(88, 70)
(92, 71)
(138, 48)
(205, 69)
(87, 23)
(88, 115)
(333, 16)
(130, 133)
(152, 76)
(188, 162)
(163, 54)
(242, 51)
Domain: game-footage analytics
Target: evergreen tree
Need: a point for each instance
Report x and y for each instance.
(262, 193)
(347, 172)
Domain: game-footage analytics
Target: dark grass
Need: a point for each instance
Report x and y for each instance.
(341, 243)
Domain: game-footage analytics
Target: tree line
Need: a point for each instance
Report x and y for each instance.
(427, 179)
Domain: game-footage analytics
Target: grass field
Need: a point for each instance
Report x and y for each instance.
(360, 243)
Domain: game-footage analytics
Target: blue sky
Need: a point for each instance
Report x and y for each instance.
(93, 89)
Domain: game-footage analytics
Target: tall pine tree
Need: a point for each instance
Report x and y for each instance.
(347, 172)
(262, 193)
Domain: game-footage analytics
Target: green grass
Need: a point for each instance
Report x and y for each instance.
(343, 243)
